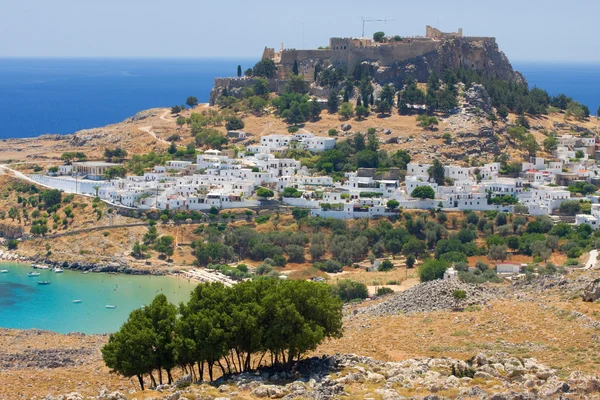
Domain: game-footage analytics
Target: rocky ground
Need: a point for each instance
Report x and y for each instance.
(499, 376)
(433, 296)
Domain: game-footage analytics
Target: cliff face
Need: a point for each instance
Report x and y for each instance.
(454, 53)
(392, 64)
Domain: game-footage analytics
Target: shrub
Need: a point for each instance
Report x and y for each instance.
(459, 294)
(279, 260)
(331, 266)
(386, 265)
(431, 270)
(261, 219)
(423, 192)
(382, 291)
(348, 290)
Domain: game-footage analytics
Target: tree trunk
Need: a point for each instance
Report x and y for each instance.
(210, 371)
(222, 367)
(160, 375)
(169, 376)
(260, 360)
(237, 353)
(141, 380)
(153, 380)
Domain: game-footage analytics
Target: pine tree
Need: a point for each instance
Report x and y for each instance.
(346, 97)
(358, 102)
(239, 71)
(295, 67)
(317, 70)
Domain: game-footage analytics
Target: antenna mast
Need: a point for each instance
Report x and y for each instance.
(372, 20)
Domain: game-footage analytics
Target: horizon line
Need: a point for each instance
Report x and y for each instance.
(232, 58)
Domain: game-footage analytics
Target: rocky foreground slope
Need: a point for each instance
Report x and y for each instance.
(497, 377)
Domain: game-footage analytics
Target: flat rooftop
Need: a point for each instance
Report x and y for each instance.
(96, 164)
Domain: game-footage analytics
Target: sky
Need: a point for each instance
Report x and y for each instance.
(526, 30)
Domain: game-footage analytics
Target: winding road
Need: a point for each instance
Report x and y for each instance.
(148, 129)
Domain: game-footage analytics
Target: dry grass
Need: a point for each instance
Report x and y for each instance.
(523, 329)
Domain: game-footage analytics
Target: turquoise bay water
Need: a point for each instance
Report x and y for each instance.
(24, 304)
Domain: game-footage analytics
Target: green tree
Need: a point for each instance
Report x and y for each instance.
(346, 110)
(550, 144)
(13, 213)
(234, 124)
(426, 121)
(410, 261)
(423, 192)
(115, 172)
(503, 112)
(378, 37)
(165, 245)
(295, 67)
(497, 252)
(492, 118)
(239, 71)
(172, 148)
(393, 204)
(264, 192)
(570, 207)
(129, 352)
(332, 102)
(361, 112)
(432, 269)
(300, 213)
(348, 290)
(139, 250)
(191, 101)
(265, 68)
(151, 235)
(437, 172)
(296, 84)
(51, 197)
(531, 145)
(12, 244)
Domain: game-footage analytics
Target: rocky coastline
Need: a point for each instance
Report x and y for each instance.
(113, 267)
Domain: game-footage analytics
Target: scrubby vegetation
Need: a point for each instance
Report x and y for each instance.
(265, 321)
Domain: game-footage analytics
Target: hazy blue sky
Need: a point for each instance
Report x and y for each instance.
(525, 29)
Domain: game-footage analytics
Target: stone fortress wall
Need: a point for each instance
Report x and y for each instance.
(350, 51)
(436, 48)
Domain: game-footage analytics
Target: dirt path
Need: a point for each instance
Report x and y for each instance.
(405, 285)
(4, 169)
(148, 129)
(593, 258)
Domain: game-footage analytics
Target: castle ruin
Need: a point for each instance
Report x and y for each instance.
(350, 51)
(391, 61)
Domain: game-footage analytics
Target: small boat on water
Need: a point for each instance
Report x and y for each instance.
(40, 266)
(3, 271)
(30, 274)
(43, 282)
(109, 306)
(58, 270)
(76, 301)
(86, 272)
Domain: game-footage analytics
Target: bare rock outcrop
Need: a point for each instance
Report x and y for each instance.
(592, 291)
(478, 99)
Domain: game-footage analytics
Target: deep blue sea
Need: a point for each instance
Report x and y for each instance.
(579, 81)
(39, 96)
